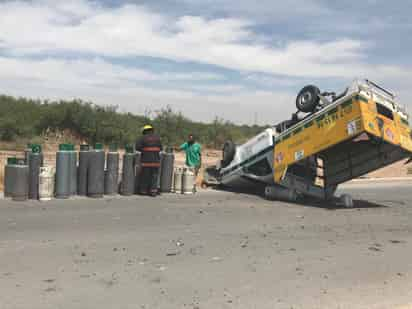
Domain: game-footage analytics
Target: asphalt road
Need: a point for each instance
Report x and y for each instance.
(212, 250)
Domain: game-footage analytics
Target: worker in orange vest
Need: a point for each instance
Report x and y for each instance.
(150, 146)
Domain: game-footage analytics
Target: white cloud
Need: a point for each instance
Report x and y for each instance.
(82, 28)
(268, 80)
(223, 89)
(131, 30)
(88, 72)
(104, 83)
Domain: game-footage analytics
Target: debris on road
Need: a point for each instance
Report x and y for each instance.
(173, 253)
(195, 250)
(49, 280)
(48, 290)
(376, 249)
(397, 241)
(179, 243)
(216, 259)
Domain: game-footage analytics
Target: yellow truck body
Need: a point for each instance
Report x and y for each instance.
(365, 117)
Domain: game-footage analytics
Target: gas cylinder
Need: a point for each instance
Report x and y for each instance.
(188, 181)
(27, 152)
(278, 193)
(166, 173)
(111, 180)
(95, 175)
(63, 159)
(177, 183)
(35, 159)
(9, 176)
(20, 185)
(46, 183)
(83, 169)
(127, 187)
(73, 170)
(137, 171)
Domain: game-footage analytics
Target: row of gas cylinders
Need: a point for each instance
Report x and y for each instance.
(184, 180)
(90, 172)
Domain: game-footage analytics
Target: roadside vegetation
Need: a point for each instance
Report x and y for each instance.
(27, 120)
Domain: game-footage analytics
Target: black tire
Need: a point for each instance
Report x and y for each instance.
(308, 99)
(229, 150)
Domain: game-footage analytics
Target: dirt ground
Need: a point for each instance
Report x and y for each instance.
(217, 250)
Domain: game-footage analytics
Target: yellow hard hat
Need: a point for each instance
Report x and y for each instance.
(147, 127)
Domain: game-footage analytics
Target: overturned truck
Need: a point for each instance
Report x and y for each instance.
(331, 139)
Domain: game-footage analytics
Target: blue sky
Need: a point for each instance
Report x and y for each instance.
(235, 59)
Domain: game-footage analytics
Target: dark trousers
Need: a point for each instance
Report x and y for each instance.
(148, 181)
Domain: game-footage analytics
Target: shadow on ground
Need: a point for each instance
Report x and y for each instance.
(256, 191)
(310, 202)
(336, 205)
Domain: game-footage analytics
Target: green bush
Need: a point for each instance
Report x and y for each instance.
(25, 118)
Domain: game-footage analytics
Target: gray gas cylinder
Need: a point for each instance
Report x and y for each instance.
(27, 152)
(137, 171)
(36, 148)
(166, 173)
(35, 159)
(128, 174)
(73, 170)
(8, 179)
(9, 176)
(278, 193)
(20, 185)
(95, 176)
(111, 178)
(82, 171)
(63, 161)
(159, 174)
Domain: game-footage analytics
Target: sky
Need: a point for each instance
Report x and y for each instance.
(239, 60)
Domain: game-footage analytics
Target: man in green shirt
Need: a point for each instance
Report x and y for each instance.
(193, 153)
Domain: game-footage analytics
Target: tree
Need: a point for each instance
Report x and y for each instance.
(24, 118)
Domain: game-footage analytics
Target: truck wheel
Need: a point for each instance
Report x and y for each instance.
(346, 200)
(308, 99)
(229, 150)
